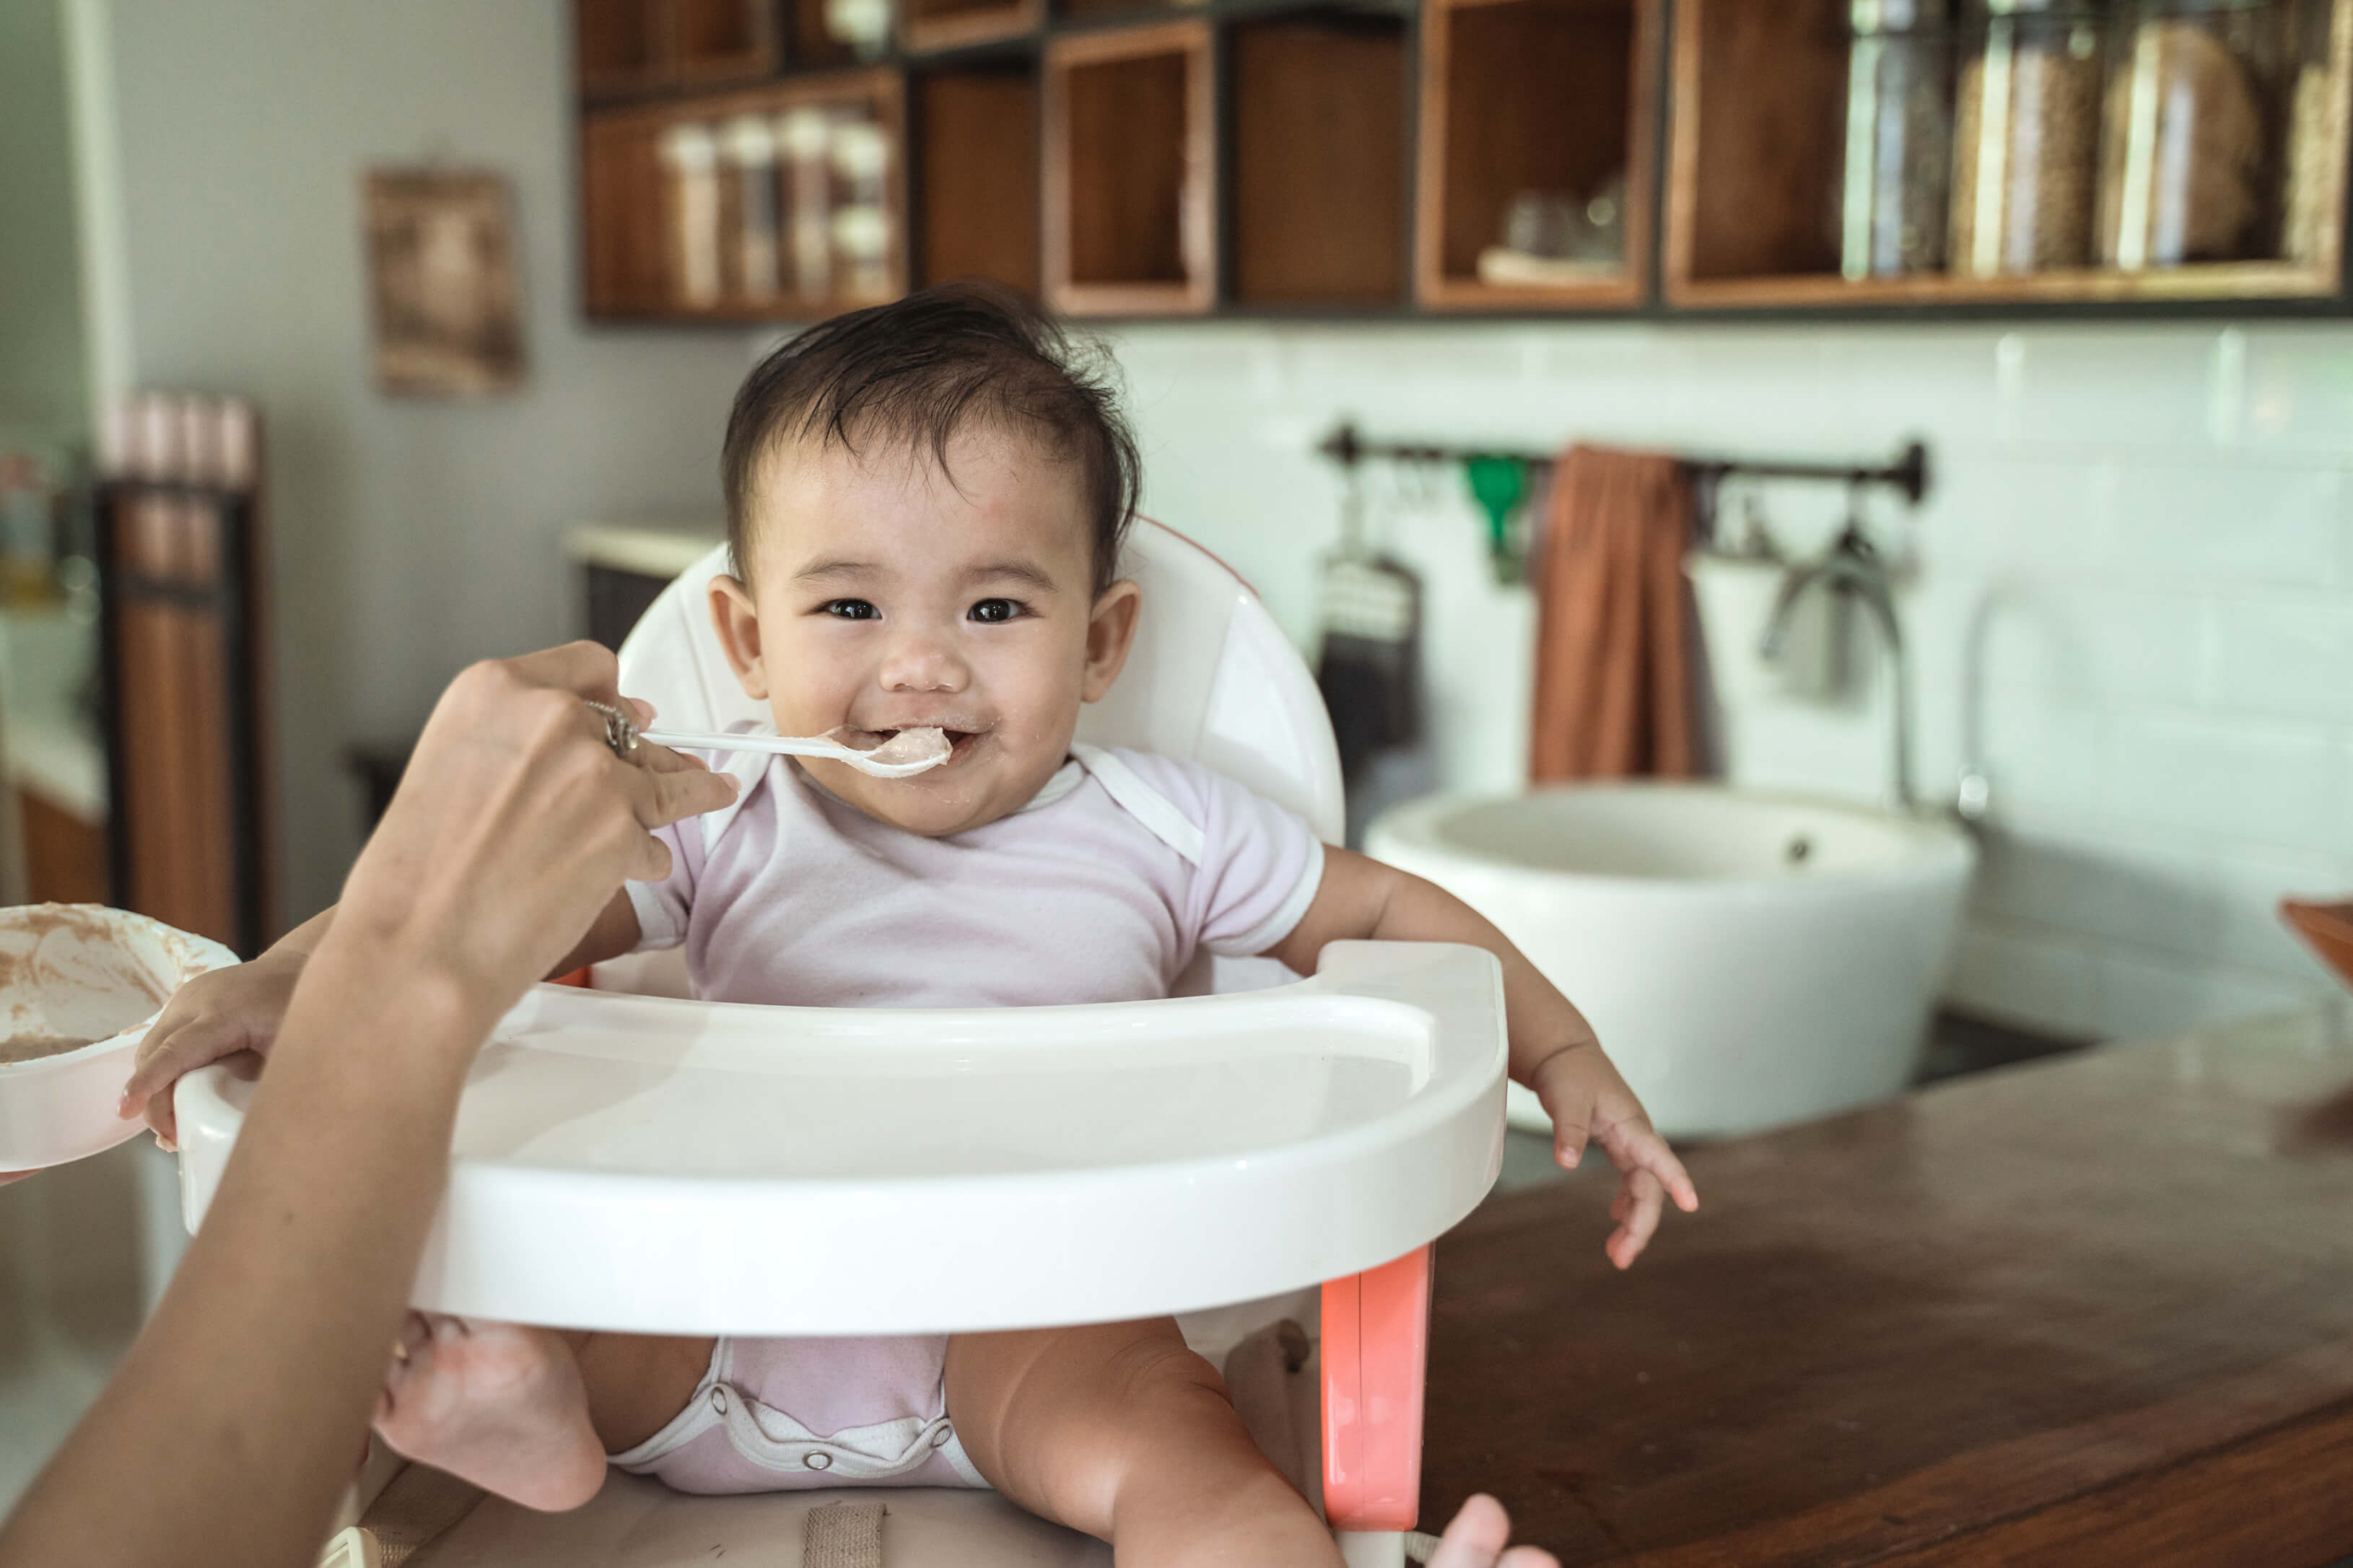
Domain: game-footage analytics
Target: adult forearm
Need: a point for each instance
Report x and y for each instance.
(257, 1376)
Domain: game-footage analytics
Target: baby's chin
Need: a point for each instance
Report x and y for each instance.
(933, 805)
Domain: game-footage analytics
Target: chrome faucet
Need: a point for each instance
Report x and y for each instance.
(1853, 566)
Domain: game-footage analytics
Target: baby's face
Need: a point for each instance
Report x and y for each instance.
(887, 595)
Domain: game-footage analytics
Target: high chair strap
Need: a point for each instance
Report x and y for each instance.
(1141, 802)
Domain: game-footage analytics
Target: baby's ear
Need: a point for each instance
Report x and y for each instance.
(738, 624)
(1111, 633)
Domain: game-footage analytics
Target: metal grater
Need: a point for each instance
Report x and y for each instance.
(1366, 597)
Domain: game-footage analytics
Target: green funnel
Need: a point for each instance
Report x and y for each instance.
(1499, 485)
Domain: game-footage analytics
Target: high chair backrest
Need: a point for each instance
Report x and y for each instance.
(1211, 679)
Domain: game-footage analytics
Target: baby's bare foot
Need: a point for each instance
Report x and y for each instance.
(496, 1405)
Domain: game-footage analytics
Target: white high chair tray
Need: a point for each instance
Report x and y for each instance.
(666, 1166)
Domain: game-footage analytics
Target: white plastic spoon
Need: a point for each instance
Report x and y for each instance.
(903, 755)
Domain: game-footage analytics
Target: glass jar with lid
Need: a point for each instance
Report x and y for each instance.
(1899, 128)
(2026, 136)
(2188, 146)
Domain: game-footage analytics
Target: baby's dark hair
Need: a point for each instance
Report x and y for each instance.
(917, 371)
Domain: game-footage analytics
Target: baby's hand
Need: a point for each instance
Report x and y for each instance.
(1587, 1099)
(212, 1016)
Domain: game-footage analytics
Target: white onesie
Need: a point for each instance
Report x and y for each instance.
(1102, 888)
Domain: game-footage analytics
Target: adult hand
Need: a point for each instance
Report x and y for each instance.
(513, 787)
(512, 829)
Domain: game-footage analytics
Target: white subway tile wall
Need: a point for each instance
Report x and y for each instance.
(2138, 549)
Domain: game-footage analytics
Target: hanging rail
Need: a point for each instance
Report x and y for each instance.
(1907, 475)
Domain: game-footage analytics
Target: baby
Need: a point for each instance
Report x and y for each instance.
(925, 508)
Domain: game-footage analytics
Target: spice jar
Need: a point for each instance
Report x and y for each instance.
(1899, 126)
(2187, 140)
(2026, 136)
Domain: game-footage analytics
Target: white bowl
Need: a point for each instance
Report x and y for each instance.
(81, 972)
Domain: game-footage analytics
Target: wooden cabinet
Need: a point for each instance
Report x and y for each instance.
(975, 140)
(1393, 157)
(1318, 162)
(186, 752)
(65, 853)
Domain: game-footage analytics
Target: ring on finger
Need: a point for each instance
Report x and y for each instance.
(620, 731)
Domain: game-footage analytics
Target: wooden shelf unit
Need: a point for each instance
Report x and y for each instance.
(1349, 157)
(976, 194)
(1543, 96)
(1758, 146)
(1315, 169)
(1129, 151)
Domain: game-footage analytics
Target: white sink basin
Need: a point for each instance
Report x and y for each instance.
(1748, 959)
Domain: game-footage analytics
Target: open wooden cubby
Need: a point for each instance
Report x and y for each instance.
(1129, 157)
(1758, 155)
(976, 130)
(1316, 163)
(631, 208)
(1544, 97)
(624, 259)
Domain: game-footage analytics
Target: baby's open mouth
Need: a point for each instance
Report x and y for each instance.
(915, 743)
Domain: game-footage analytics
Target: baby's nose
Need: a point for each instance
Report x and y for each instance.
(923, 664)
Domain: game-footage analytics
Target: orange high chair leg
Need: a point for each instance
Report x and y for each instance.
(1376, 1348)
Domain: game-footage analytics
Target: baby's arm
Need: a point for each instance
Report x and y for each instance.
(1554, 1050)
(239, 1008)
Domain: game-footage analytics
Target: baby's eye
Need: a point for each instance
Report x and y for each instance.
(850, 610)
(992, 612)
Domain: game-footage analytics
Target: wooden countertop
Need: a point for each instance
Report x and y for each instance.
(2091, 1312)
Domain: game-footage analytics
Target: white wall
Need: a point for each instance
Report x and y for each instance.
(40, 316)
(2161, 512)
(2160, 517)
(410, 537)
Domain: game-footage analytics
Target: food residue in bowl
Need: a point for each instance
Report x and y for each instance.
(72, 974)
(32, 1048)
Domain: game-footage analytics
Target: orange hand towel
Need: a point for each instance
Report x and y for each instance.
(1615, 629)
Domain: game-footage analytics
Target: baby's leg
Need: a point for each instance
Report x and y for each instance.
(528, 1413)
(1119, 1430)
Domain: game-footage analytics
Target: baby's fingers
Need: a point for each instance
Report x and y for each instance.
(1637, 1146)
(1640, 1200)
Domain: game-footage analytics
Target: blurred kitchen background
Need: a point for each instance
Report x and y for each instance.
(344, 343)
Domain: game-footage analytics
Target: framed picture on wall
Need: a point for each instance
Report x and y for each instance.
(441, 262)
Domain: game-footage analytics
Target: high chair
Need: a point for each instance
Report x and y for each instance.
(927, 1172)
